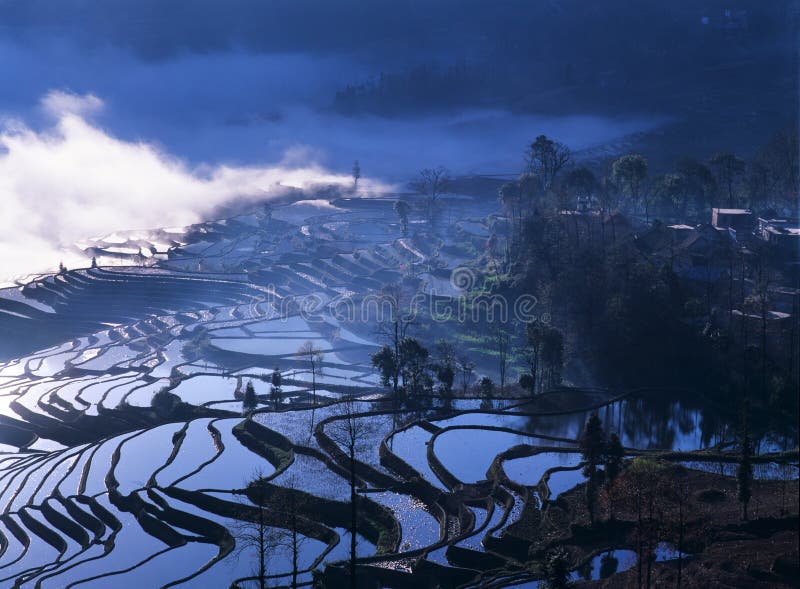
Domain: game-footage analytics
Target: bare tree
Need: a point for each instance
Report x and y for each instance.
(467, 369)
(509, 197)
(349, 433)
(254, 533)
(445, 367)
(432, 183)
(534, 334)
(678, 493)
(288, 503)
(315, 357)
(547, 158)
(502, 341)
(394, 319)
(266, 530)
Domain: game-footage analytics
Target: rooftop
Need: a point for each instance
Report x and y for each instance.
(733, 211)
(783, 230)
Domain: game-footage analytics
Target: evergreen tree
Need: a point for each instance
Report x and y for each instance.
(386, 363)
(486, 387)
(613, 457)
(250, 400)
(592, 442)
(414, 362)
(527, 382)
(275, 391)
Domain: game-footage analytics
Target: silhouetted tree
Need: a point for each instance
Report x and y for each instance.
(581, 182)
(486, 387)
(527, 382)
(728, 170)
(556, 570)
(644, 482)
(612, 466)
(613, 456)
(250, 400)
(445, 367)
(547, 158)
(502, 342)
(349, 432)
(593, 446)
(509, 197)
(314, 356)
(431, 183)
(775, 172)
(255, 533)
(466, 368)
(629, 173)
(744, 472)
(552, 353)
(700, 183)
(275, 390)
(402, 209)
(672, 191)
(534, 334)
(386, 363)
(394, 318)
(414, 362)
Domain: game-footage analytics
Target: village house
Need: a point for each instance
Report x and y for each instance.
(740, 220)
(782, 235)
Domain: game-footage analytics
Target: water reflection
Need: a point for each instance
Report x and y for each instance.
(660, 421)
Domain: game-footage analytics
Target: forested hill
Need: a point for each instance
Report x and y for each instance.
(713, 62)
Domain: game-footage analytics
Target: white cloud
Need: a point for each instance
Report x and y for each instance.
(75, 181)
(59, 103)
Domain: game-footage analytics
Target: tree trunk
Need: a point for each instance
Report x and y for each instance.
(396, 377)
(680, 540)
(639, 542)
(262, 548)
(314, 381)
(353, 516)
(294, 544)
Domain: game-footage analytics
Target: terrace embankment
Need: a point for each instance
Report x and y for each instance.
(704, 519)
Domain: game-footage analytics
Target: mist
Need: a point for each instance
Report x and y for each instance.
(74, 180)
(70, 178)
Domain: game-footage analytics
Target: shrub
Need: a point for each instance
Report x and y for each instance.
(486, 387)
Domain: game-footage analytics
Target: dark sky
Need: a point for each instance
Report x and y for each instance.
(120, 114)
(241, 80)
